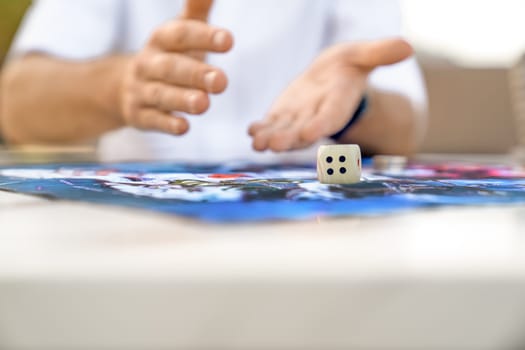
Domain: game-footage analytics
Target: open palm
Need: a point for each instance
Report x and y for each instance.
(322, 100)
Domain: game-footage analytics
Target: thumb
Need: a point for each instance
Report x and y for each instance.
(197, 9)
(372, 54)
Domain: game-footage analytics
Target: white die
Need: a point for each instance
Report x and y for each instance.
(339, 164)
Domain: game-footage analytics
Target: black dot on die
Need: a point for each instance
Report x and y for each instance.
(342, 170)
(330, 171)
(342, 159)
(329, 159)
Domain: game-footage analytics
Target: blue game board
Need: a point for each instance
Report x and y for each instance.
(244, 192)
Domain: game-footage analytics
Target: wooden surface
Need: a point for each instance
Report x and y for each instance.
(78, 276)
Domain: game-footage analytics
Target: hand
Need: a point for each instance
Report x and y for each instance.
(169, 75)
(322, 100)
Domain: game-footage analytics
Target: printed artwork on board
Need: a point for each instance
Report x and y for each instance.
(247, 192)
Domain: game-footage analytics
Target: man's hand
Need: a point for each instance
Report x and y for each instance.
(169, 75)
(321, 101)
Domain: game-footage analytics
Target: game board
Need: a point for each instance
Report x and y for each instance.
(240, 192)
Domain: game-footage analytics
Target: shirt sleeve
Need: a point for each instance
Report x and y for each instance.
(70, 29)
(357, 20)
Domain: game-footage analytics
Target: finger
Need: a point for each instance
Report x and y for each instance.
(197, 55)
(379, 53)
(181, 70)
(332, 115)
(285, 139)
(173, 98)
(256, 127)
(197, 9)
(156, 120)
(183, 36)
(262, 137)
(289, 137)
(268, 121)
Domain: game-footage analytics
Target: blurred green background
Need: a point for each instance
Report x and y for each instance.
(11, 12)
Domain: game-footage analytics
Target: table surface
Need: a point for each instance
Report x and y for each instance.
(77, 276)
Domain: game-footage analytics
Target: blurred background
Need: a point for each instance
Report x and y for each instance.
(11, 12)
(471, 52)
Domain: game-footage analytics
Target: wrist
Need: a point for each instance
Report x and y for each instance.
(359, 112)
(114, 93)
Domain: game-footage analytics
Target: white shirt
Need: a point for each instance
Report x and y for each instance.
(275, 41)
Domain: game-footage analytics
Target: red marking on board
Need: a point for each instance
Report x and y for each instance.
(104, 172)
(359, 162)
(227, 176)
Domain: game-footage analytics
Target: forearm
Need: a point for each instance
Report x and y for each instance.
(393, 124)
(52, 101)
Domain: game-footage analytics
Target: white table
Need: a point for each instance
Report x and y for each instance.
(80, 276)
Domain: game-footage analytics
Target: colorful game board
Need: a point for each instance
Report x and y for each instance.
(243, 192)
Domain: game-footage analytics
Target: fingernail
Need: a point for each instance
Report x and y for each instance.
(209, 80)
(219, 39)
